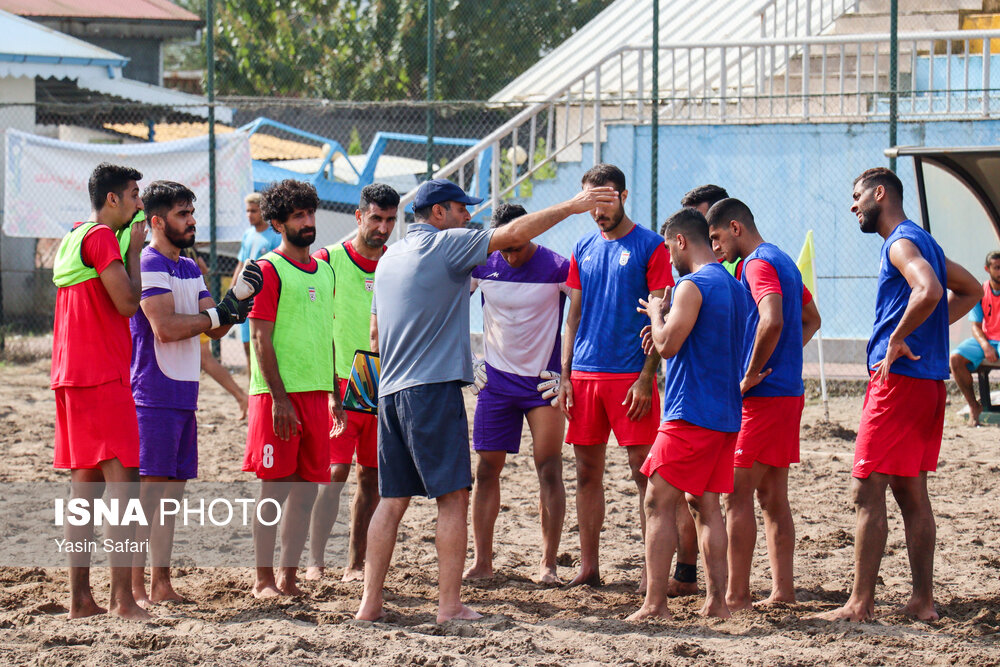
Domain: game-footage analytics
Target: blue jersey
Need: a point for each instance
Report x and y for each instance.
(929, 341)
(702, 382)
(786, 360)
(612, 276)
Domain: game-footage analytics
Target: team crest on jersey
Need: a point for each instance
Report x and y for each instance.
(623, 258)
(312, 293)
(369, 284)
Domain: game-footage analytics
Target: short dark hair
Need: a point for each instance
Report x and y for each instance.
(108, 177)
(160, 197)
(604, 174)
(881, 176)
(689, 222)
(704, 194)
(504, 213)
(995, 254)
(379, 194)
(279, 200)
(730, 209)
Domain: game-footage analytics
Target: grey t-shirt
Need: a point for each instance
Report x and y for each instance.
(422, 303)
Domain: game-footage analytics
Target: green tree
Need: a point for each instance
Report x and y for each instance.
(377, 49)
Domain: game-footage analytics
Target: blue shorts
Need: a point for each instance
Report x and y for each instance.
(500, 410)
(245, 331)
(423, 442)
(168, 442)
(971, 350)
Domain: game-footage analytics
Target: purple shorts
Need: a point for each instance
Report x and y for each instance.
(500, 410)
(168, 443)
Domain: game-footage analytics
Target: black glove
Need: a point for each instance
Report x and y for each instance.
(249, 282)
(228, 311)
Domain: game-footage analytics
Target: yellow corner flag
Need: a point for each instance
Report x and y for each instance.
(807, 265)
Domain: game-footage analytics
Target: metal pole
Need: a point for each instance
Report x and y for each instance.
(893, 75)
(213, 259)
(654, 152)
(430, 88)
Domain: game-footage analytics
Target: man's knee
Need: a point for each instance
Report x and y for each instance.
(589, 470)
(549, 471)
(869, 492)
(367, 480)
(958, 363)
(488, 468)
(339, 472)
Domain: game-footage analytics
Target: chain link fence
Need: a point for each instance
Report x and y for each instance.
(327, 90)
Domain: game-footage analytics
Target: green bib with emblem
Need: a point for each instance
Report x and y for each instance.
(352, 306)
(303, 329)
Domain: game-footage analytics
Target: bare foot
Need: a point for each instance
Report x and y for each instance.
(547, 575)
(460, 613)
(849, 612)
(288, 586)
(738, 603)
(715, 608)
(141, 599)
(773, 598)
(130, 611)
(921, 611)
(677, 589)
(585, 578)
(86, 608)
(314, 572)
(263, 591)
(650, 612)
(974, 412)
(478, 572)
(165, 593)
(370, 611)
(353, 574)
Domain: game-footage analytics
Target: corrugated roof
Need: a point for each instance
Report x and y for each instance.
(262, 146)
(630, 23)
(148, 10)
(26, 41)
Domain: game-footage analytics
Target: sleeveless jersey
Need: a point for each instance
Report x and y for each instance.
(702, 381)
(989, 312)
(303, 329)
(352, 306)
(68, 267)
(786, 360)
(612, 276)
(929, 341)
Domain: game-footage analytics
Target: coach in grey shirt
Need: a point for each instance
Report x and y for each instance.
(421, 313)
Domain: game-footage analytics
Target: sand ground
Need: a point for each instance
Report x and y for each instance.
(526, 624)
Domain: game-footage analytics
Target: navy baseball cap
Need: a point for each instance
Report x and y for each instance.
(440, 190)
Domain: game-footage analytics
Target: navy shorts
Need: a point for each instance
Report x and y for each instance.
(168, 443)
(423, 442)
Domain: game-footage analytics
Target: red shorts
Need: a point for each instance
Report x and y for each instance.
(597, 411)
(769, 433)
(691, 458)
(360, 435)
(306, 453)
(902, 423)
(95, 424)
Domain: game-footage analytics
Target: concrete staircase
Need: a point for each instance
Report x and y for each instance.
(866, 68)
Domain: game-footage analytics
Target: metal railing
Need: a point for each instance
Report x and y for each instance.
(833, 78)
(798, 18)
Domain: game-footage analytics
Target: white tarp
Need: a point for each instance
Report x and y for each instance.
(45, 180)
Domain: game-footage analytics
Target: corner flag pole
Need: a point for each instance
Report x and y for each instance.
(807, 266)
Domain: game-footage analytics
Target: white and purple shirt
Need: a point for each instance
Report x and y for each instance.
(165, 375)
(522, 318)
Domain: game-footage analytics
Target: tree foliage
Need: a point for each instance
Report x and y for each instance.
(377, 49)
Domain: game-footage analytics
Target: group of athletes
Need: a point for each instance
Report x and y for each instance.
(731, 330)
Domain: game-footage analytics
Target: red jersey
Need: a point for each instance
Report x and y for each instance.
(991, 312)
(91, 340)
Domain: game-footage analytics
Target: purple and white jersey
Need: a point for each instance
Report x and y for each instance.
(165, 375)
(522, 318)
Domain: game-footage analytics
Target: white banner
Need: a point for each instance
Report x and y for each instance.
(46, 180)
